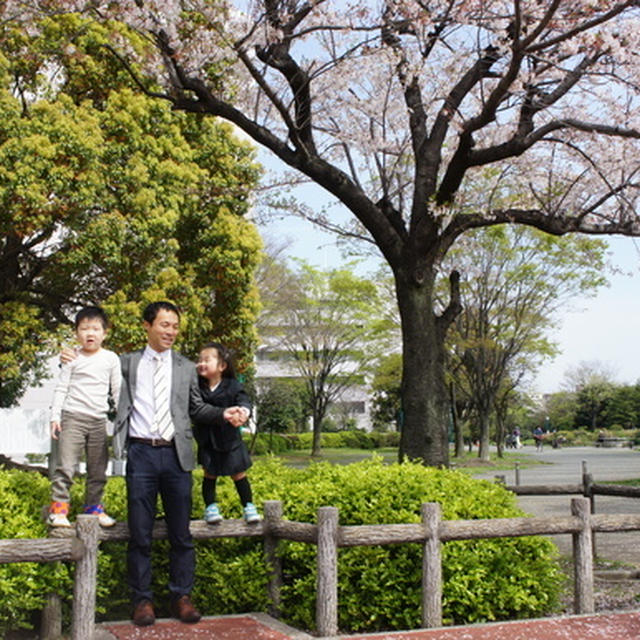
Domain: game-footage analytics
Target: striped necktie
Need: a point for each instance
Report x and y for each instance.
(162, 423)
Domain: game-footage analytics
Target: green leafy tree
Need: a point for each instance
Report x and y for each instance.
(108, 197)
(328, 325)
(593, 385)
(280, 406)
(593, 401)
(513, 282)
(385, 387)
(561, 408)
(623, 409)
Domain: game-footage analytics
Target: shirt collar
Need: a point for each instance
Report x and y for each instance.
(151, 354)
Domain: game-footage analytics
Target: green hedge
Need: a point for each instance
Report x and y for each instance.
(356, 439)
(379, 587)
(24, 586)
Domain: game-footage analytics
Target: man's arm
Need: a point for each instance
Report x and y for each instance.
(203, 414)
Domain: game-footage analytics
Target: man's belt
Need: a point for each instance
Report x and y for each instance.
(152, 442)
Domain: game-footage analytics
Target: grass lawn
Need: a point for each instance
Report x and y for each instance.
(469, 462)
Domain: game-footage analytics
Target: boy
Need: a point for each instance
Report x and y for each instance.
(79, 417)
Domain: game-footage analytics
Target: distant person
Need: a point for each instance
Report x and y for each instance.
(221, 449)
(79, 417)
(538, 436)
(516, 436)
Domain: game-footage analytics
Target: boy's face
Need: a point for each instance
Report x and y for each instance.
(210, 365)
(90, 334)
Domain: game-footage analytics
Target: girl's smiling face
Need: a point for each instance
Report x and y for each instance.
(211, 365)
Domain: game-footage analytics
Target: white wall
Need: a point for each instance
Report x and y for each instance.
(24, 431)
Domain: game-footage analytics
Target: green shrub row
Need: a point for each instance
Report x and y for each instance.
(25, 586)
(379, 587)
(356, 439)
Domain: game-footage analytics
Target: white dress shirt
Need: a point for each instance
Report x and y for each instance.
(143, 411)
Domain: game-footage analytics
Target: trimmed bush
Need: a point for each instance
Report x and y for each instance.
(379, 587)
(263, 443)
(25, 586)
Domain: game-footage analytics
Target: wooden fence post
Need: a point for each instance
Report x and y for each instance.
(587, 492)
(517, 469)
(327, 585)
(431, 566)
(51, 618)
(582, 558)
(272, 515)
(84, 587)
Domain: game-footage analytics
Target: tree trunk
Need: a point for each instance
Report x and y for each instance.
(484, 423)
(457, 425)
(500, 436)
(317, 433)
(425, 405)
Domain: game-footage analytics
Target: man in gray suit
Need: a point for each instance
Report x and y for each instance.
(158, 400)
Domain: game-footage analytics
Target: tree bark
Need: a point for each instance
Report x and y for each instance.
(484, 420)
(425, 406)
(316, 422)
(457, 425)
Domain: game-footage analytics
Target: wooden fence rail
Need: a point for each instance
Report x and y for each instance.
(588, 488)
(81, 544)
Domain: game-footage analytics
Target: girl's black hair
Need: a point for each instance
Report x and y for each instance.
(225, 355)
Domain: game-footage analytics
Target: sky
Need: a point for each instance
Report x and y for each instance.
(598, 330)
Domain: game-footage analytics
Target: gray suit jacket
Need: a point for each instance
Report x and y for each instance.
(186, 405)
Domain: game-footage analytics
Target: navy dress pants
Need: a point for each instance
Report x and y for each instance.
(152, 471)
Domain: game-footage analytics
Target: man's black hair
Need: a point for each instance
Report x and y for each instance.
(151, 310)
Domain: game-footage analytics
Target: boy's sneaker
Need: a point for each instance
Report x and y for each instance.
(212, 514)
(251, 513)
(104, 520)
(58, 520)
(58, 512)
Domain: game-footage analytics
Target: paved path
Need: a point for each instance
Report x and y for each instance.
(564, 466)
(620, 626)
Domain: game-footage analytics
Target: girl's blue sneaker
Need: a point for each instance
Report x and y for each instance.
(251, 513)
(212, 514)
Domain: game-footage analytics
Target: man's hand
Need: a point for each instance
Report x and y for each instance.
(236, 416)
(68, 355)
(55, 429)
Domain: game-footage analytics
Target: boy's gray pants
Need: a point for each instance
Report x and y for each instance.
(81, 433)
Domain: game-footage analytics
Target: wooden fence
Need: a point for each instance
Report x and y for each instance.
(81, 546)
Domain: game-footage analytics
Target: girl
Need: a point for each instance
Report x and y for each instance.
(221, 450)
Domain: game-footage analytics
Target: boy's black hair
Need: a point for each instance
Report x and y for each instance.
(90, 313)
(151, 310)
(225, 355)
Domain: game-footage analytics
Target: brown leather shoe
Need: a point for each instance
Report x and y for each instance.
(183, 609)
(143, 614)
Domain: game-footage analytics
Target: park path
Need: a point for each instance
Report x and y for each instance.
(564, 466)
(610, 626)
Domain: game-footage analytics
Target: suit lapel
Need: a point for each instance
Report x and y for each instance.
(133, 372)
(177, 373)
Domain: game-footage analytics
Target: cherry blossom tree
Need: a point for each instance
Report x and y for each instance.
(394, 107)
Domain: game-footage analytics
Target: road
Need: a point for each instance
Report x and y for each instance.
(564, 466)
